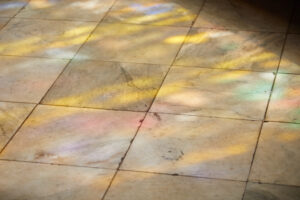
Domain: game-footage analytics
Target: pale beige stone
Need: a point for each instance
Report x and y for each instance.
(9, 8)
(277, 158)
(285, 100)
(158, 12)
(44, 38)
(81, 10)
(85, 137)
(190, 145)
(255, 191)
(133, 43)
(137, 186)
(251, 15)
(214, 92)
(11, 117)
(109, 85)
(290, 61)
(229, 49)
(27, 79)
(3, 22)
(20, 181)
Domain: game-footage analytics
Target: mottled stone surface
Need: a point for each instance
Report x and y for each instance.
(20, 181)
(80, 10)
(3, 21)
(85, 137)
(214, 92)
(277, 158)
(27, 79)
(40, 38)
(109, 85)
(290, 61)
(255, 191)
(190, 145)
(158, 12)
(9, 8)
(136, 186)
(133, 43)
(231, 50)
(285, 100)
(11, 117)
(251, 15)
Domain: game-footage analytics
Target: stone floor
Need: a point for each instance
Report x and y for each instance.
(149, 100)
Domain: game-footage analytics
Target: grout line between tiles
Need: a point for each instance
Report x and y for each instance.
(269, 99)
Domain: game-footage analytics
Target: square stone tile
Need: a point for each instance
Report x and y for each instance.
(20, 181)
(158, 12)
(44, 38)
(290, 61)
(285, 100)
(190, 145)
(257, 15)
(231, 50)
(137, 186)
(277, 158)
(81, 10)
(255, 191)
(77, 136)
(27, 79)
(133, 43)
(3, 22)
(9, 8)
(11, 117)
(107, 85)
(214, 92)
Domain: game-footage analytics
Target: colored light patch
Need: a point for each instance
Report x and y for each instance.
(153, 9)
(11, 5)
(193, 39)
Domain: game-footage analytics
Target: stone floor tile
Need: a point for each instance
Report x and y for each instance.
(20, 181)
(257, 15)
(85, 137)
(107, 85)
(277, 158)
(158, 12)
(255, 191)
(27, 79)
(40, 38)
(133, 43)
(136, 186)
(9, 8)
(285, 100)
(290, 61)
(214, 92)
(81, 10)
(231, 50)
(190, 145)
(11, 117)
(3, 22)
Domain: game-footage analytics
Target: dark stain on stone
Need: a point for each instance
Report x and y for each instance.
(173, 154)
(42, 154)
(259, 195)
(157, 116)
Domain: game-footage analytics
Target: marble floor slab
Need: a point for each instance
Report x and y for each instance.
(252, 15)
(11, 117)
(27, 79)
(82, 10)
(290, 61)
(214, 92)
(195, 146)
(255, 191)
(285, 101)
(277, 158)
(109, 85)
(40, 38)
(84, 137)
(136, 186)
(20, 181)
(3, 22)
(229, 49)
(9, 8)
(133, 43)
(157, 12)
